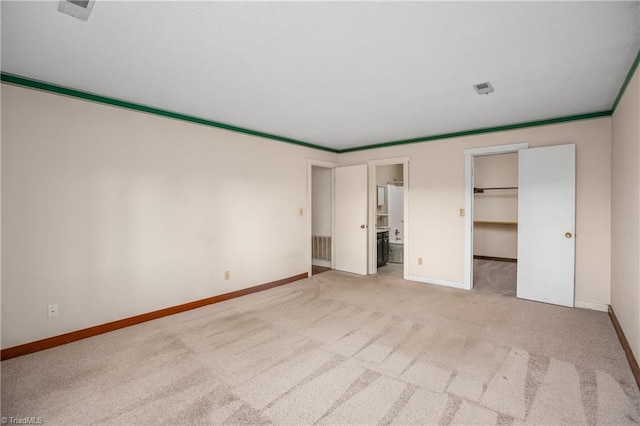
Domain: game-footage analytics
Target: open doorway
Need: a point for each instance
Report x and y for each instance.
(390, 219)
(320, 188)
(321, 199)
(470, 155)
(389, 233)
(495, 226)
(545, 224)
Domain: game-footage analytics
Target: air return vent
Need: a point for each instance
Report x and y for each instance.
(77, 8)
(483, 88)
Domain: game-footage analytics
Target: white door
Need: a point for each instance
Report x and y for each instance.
(350, 233)
(546, 224)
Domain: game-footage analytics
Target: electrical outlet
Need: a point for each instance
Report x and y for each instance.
(227, 275)
(461, 212)
(52, 311)
(419, 261)
(301, 212)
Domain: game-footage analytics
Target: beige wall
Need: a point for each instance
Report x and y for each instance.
(436, 193)
(496, 240)
(625, 219)
(1, 286)
(112, 213)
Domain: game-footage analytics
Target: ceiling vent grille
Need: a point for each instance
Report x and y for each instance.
(483, 88)
(77, 8)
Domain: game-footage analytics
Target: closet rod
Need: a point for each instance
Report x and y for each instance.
(481, 190)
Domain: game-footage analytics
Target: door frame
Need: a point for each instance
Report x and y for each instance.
(469, 155)
(327, 165)
(372, 165)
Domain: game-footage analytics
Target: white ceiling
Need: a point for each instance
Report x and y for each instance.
(335, 74)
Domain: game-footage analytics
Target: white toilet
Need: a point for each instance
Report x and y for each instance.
(396, 251)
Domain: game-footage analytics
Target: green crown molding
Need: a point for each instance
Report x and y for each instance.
(632, 71)
(47, 87)
(484, 130)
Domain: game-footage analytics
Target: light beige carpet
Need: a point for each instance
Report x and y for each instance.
(495, 277)
(339, 349)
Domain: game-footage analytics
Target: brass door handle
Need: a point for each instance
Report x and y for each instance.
(568, 234)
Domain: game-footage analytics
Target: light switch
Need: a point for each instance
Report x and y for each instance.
(461, 212)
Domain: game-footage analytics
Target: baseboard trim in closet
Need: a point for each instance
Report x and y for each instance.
(73, 336)
(594, 306)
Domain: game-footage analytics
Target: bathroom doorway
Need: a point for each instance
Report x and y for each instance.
(390, 216)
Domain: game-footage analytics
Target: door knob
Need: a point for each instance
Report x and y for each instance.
(568, 234)
(362, 226)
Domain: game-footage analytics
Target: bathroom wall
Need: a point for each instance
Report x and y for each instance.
(385, 174)
(388, 173)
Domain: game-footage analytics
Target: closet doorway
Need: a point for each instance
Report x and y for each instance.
(495, 223)
(546, 220)
(470, 155)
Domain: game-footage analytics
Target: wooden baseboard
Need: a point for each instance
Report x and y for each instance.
(625, 345)
(500, 259)
(73, 336)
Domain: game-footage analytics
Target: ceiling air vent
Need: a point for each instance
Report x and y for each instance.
(77, 8)
(483, 88)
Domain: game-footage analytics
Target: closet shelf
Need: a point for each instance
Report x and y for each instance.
(495, 222)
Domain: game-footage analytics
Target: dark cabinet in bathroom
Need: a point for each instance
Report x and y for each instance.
(383, 247)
